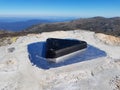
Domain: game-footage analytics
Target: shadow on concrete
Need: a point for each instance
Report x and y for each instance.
(37, 56)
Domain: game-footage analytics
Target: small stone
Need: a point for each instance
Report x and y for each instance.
(92, 73)
(10, 50)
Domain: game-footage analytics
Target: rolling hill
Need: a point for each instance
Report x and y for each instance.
(97, 24)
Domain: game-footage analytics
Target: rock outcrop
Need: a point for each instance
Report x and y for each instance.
(23, 68)
(108, 39)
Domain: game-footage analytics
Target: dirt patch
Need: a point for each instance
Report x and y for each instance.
(108, 39)
(7, 40)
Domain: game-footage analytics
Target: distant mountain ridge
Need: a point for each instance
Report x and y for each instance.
(21, 25)
(110, 26)
(97, 24)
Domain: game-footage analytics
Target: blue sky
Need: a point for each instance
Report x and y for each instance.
(69, 8)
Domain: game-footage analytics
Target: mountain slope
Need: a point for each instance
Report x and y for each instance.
(98, 24)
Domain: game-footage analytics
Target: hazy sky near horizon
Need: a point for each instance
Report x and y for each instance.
(77, 8)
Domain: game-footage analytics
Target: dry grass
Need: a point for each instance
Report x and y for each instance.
(7, 40)
(108, 39)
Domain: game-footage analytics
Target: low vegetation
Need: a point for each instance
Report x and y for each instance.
(109, 26)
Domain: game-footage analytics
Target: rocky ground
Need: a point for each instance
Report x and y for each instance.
(98, 68)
